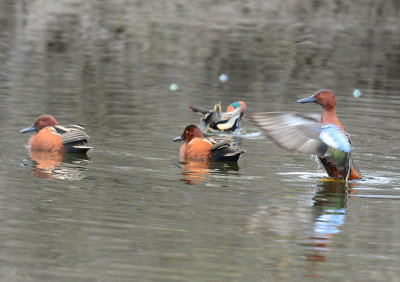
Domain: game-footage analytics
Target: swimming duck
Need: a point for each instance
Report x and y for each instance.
(196, 147)
(52, 137)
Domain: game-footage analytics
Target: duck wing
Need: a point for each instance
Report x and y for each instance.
(199, 110)
(74, 138)
(303, 134)
(229, 121)
(224, 149)
(209, 116)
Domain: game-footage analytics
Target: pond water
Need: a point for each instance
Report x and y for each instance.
(130, 211)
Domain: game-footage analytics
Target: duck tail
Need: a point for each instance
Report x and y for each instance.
(227, 155)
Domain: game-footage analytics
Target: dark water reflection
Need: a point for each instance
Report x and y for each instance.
(131, 210)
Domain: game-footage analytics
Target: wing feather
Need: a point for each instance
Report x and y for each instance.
(71, 134)
(301, 133)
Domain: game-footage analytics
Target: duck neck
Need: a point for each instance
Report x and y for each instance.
(329, 116)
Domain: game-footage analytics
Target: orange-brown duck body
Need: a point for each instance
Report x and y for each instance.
(198, 148)
(51, 137)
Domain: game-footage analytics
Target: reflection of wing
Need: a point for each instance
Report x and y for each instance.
(303, 134)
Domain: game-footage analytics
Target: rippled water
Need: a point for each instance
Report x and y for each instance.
(130, 211)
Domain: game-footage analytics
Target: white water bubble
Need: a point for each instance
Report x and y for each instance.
(356, 93)
(173, 87)
(223, 77)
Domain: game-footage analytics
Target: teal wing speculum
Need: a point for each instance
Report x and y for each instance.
(336, 160)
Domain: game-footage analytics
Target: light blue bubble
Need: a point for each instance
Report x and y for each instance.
(173, 87)
(356, 93)
(223, 77)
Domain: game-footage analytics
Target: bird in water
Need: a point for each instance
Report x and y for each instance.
(196, 147)
(52, 137)
(218, 120)
(305, 134)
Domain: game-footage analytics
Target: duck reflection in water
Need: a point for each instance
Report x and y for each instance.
(314, 224)
(329, 213)
(58, 165)
(195, 172)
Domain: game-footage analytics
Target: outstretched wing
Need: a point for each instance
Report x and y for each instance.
(303, 134)
(209, 116)
(199, 110)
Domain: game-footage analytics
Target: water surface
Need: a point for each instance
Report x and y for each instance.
(130, 211)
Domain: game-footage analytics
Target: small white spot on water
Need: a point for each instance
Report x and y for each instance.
(223, 77)
(173, 87)
(252, 135)
(357, 93)
(390, 157)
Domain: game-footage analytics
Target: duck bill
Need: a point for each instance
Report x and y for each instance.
(28, 129)
(310, 99)
(179, 138)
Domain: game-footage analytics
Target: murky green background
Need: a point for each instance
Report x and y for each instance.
(131, 211)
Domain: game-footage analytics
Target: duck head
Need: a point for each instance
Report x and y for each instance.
(324, 97)
(40, 123)
(235, 105)
(190, 132)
